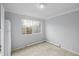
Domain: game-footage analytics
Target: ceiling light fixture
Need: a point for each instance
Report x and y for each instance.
(42, 5)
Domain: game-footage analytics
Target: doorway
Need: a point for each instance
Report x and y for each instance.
(5, 34)
(7, 37)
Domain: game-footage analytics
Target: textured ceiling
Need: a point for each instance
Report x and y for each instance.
(32, 9)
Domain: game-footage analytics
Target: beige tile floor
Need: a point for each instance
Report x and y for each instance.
(42, 49)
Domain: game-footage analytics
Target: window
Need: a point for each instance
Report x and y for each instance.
(31, 26)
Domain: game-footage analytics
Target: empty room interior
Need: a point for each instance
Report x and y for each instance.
(41, 29)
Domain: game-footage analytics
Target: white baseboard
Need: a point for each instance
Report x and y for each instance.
(33, 43)
(58, 45)
(70, 50)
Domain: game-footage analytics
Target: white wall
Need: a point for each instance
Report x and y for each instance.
(0, 36)
(64, 30)
(3, 49)
(18, 39)
(0, 24)
(0, 16)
